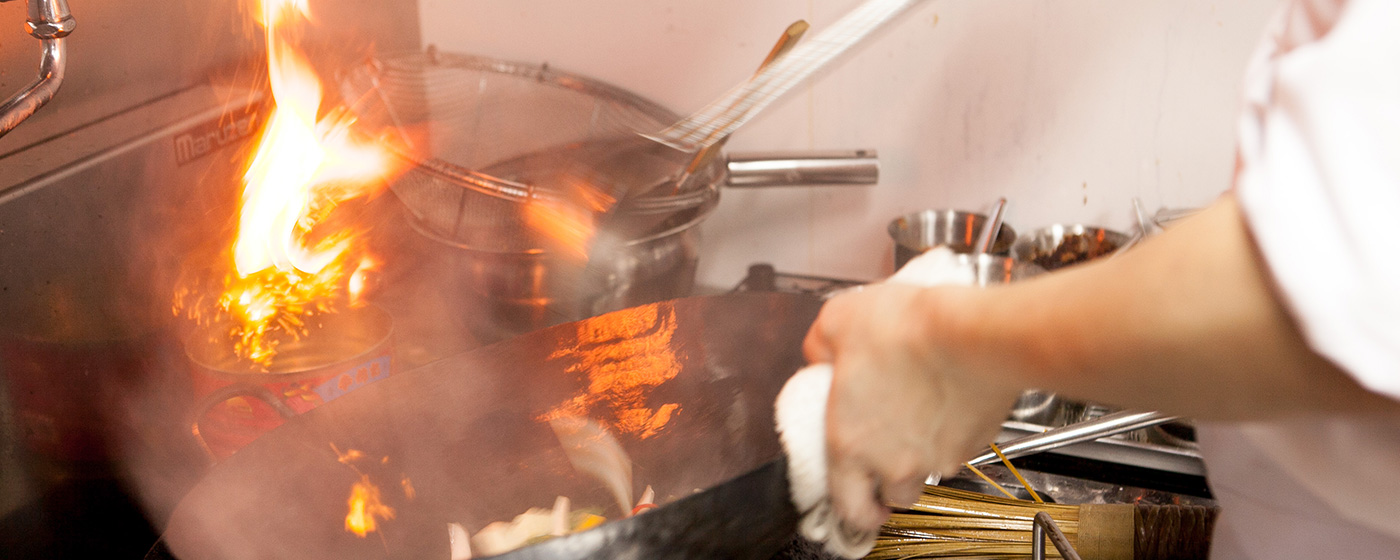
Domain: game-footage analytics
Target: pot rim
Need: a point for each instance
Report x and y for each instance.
(701, 212)
(372, 314)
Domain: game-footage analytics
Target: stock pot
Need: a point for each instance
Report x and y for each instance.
(491, 143)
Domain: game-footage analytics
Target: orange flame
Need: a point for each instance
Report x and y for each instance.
(364, 503)
(306, 164)
(364, 507)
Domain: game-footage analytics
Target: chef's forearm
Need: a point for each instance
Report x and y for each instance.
(1188, 323)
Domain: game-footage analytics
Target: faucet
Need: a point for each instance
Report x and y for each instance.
(49, 21)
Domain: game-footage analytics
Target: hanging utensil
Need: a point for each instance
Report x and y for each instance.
(714, 123)
(785, 43)
(991, 228)
(1055, 438)
(1144, 229)
(1144, 223)
(617, 156)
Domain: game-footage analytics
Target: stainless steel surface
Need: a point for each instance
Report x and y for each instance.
(1043, 526)
(1061, 245)
(1144, 223)
(994, 269)
(1168, 457)
(1065, 489)
(134, 52)
(1036, 407)
(1132, 241)
(918, 232)
(1111, 424)
(330, 346)
(592, 170)
(991, 228)
(94, 225)
(49, 21)
(1144, 229)
(65, 206)
(763, 169)
(1165, 217)
(1158, 456)
(524, 291)
(487, 138)
(492, 141)
(769, 169)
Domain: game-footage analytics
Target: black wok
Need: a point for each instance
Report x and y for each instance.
(467, 433)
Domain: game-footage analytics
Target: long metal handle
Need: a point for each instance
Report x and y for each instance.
(1112, 424)
(49, 21)
(991, 229)
(718, 119)
(777, 169)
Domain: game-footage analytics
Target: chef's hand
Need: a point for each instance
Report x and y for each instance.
(903, 405)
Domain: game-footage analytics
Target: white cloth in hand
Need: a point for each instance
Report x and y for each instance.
(801, 420)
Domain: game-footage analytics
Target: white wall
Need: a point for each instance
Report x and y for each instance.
(1068, 107)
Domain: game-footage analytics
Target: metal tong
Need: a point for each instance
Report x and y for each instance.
(1054, 438)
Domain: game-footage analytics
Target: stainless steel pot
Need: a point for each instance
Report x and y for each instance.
(1058, 246)
(994, 269)
(490, 142)
(526, 290)
(957, 229)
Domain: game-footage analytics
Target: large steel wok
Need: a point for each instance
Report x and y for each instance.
(467, 433)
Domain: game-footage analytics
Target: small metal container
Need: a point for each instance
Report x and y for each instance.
(918, 232)
(1037, 407)
(995, 269)
(237, 401)
(1060, 245)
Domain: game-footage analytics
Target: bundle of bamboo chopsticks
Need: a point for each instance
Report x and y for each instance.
(952, 523)
(947, 522)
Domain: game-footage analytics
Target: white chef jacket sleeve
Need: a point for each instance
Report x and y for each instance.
(1319, 179)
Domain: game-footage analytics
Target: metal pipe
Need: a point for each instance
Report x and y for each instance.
(1112, 424)
(776, 169)
(1042, 525)
(49, 21)
(1037, 539)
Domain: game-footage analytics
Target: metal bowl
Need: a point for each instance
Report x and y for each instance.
(918, 232)
(995, 269)
(1060, 245)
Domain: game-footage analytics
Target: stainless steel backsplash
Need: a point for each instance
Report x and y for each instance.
(125, 53)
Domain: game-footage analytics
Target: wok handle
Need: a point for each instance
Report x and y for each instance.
(786, 169)
(225, 393)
